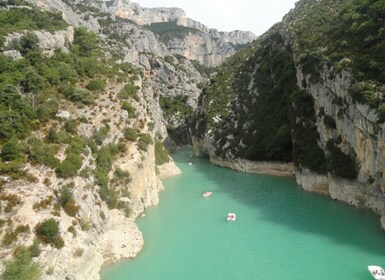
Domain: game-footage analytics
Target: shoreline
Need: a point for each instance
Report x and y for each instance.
(349, 192)
(164, 171)
(281, 169)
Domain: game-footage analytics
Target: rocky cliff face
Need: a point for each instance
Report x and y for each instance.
(208, 46)
(313, 97)
(97, 232)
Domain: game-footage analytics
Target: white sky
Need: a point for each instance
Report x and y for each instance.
(256, 16)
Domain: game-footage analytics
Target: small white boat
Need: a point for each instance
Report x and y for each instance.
(231, 217)
(377, 272)
(206, 194)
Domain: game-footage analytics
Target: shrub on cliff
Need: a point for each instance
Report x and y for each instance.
(21, 267)
(70, 166)
(144, 141)
(130, 134)
(10, 150)
(48, 232)
(67, 201)
(42, 153)
(161, 153)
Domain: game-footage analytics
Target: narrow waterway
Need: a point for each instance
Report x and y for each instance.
(281, 231)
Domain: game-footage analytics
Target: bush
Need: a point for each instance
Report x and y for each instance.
(34, 249)
(121, 177)
(130, 110)
(144, 141)
(96, 85)
(48, 232)
(70, 126)
(101, 178)
(85, 43)
(67, 201)
(21, 267)
(129, 90)
(78, 95)
(42, 153)
(100, 134)
(130, 134)
(104, 159)
(161, 153)
(70, 166)
(110, 196)
(72, 230)
(10, 150)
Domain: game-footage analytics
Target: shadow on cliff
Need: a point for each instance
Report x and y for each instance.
(282, 201)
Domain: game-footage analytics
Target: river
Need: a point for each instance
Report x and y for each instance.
(281, 231)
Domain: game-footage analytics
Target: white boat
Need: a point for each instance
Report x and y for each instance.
(377, 272)
(206, 194)
(231, 217)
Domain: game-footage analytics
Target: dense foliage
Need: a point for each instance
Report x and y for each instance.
(21, 19)
(169, 30)
(344, 34)
(21, 267)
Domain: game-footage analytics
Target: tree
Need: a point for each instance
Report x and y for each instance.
(10, 150)
(85, 42)
(28, 42)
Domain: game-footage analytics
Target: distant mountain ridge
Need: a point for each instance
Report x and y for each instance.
(208, 46)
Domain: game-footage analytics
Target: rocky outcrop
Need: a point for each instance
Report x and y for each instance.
(208, 46)
(48, 42)
(258, 167)
(69, 13)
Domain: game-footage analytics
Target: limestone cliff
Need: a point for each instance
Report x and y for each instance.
(310, 90)
(208, 46)
(95, 101)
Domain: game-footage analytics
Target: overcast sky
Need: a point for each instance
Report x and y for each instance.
(227, 15)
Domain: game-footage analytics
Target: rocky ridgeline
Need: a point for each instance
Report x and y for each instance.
(208, 46)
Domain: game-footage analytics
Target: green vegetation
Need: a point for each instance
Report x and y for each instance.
(20, 19)
(130, 110)
(129, 90)
(203, 69)
(340, 164)
(306, 151)
(144, 141)
(48, 232)
(130, 134)
(161, 154)
(121, 177)
(346, 35)
(253, 107)
(67, 201)
(169, 30)
(70, 166)
(42, 153)
(21, 267)
(100, 134)
(174, 105)
(10, 150)
(258, 125)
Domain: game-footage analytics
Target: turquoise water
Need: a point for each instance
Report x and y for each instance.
(281, 231)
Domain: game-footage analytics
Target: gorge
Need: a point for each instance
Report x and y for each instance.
(91, 93)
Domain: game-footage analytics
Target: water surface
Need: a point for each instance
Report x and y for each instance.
(281, 231)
